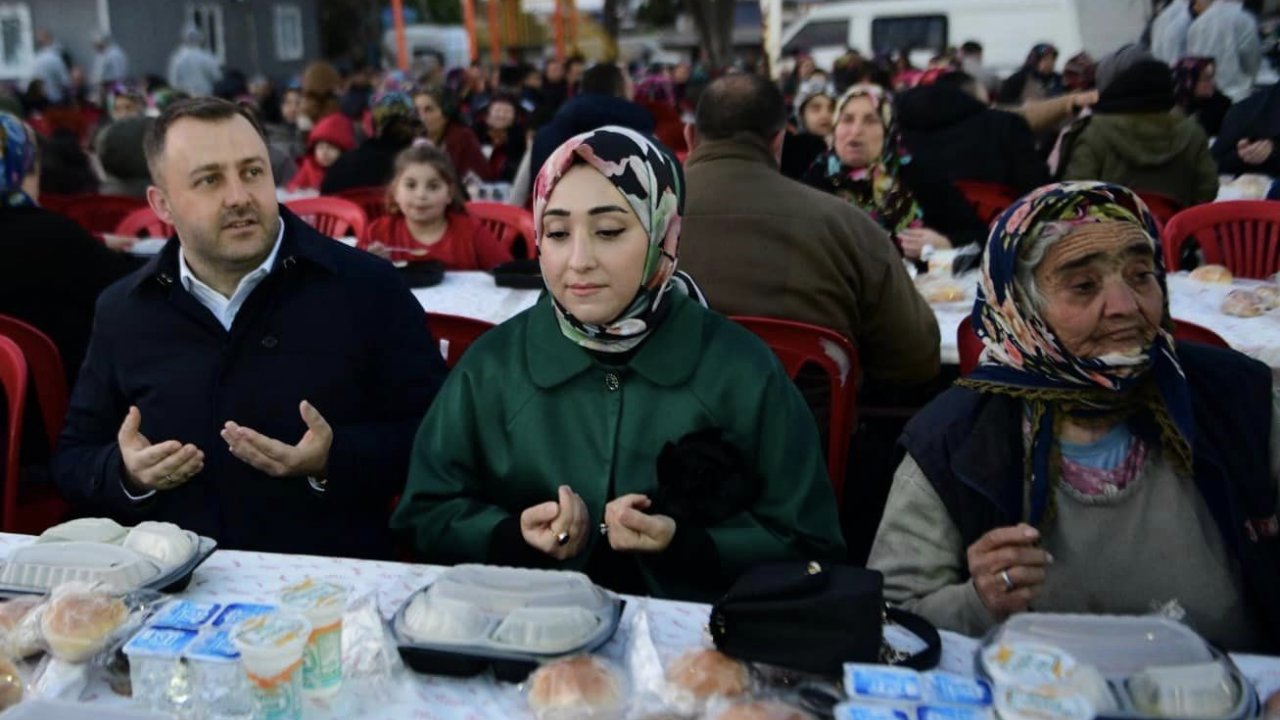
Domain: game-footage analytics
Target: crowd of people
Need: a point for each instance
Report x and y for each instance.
(260, 384)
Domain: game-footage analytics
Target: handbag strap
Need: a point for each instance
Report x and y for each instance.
(921, 628)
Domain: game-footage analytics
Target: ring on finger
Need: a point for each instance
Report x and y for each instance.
(562, 538)
(604, 529)
(1009, 584)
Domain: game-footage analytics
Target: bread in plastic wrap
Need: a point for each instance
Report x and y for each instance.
(1212, 274)
(77, 623)
(581, 687)
(701, 674)
(163, 542)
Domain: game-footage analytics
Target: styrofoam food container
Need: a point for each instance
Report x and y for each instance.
(47, 565)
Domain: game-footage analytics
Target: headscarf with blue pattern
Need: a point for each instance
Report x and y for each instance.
(18, 154)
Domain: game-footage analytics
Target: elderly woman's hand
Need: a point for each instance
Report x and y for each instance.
(913, 241)
(1007, 569)
(557, 528)
(631, 530)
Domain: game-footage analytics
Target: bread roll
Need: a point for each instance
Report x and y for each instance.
(763, 710)
(577, 687)
(1212, 274)
(163, 542)
(1268, 296)
(103, 530)
(943, 292)
(1242, 303)
(77, 625)
(10, 684)
(1271, 711)
(708, 673)
(13, 611)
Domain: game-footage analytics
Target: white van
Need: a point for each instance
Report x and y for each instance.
(450, 42)
(1006, 28)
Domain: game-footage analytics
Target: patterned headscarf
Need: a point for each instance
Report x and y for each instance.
(876, 188)
(652, 183)
(1023, 358)
(18, 154)
(1186, 75)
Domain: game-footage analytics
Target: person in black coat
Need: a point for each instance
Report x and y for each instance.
(395, 126)
(601, 101)
(946, 127)
(51, 269)
(1250, 138)
(1198, 95)
(256, 382)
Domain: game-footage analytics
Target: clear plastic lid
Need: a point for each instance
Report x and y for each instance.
(47, 565)
(1119, 646)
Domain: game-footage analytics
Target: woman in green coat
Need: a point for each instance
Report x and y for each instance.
(543, 447)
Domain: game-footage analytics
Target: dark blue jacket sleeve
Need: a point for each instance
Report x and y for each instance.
(374, 456)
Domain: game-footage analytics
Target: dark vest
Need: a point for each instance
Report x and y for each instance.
(970, 447)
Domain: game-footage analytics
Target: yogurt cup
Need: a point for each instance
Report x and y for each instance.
(271, 648)
(323, 604)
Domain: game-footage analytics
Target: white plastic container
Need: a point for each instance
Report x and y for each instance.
(156, 670)
(221, 686)
(323, 604)
(271, 648)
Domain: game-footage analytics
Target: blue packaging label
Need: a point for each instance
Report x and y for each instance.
(235, 612)
(186, 615)
(952, 712)
(854, 711)
(876, 682)
(215, 646)
(159, 642)
(951, 689)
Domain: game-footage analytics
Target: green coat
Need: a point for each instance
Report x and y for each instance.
(527, 410)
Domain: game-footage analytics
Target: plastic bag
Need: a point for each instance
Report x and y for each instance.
(80, 620)
(580, 687)
(371, 663)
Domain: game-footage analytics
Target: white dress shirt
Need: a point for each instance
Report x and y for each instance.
(226, 308)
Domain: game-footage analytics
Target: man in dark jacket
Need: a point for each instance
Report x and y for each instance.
(256, 382)
(605, 99)
(946, 126)
(1250, 135)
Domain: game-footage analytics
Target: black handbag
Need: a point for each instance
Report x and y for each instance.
(814, 617)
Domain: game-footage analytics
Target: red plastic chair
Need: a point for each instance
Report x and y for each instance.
(332, 216)
(1161, 206)
(970, 345)
(798, 344)
(56, 203)
(13, 380)
(988, 200)
(1243, 235)
(144, 222)
(508, 223)
(455, 334)
(101, 214)
(373, 200)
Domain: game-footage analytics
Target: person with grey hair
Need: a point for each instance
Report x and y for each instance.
(192, 68)
(50, 69)
(1228, 33)
(110, 64)
(1091, 463)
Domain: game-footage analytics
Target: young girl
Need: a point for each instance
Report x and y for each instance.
(428, 220)
(331, 137)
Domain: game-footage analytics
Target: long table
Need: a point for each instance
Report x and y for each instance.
(230, 576)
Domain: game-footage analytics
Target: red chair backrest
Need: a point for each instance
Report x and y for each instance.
(508, 223)
(969, 345)
(1161, 206)
(332, 216)
(13, 381)
(56, 203)
(1243, 235)
(1183, 330)
(47, 372)
(455, 334)
(101, 214)
(143, 222)
(988, 200)
(373, 200)
(799, 344)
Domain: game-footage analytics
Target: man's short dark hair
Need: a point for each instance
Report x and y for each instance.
(604, 79)
(741, 103)
(972, 47)
(208, 109)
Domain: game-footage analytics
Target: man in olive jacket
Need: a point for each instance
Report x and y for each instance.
(759, 243)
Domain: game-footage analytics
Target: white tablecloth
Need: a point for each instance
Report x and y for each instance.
(674, 627)
(1189, 300)
(474, 295)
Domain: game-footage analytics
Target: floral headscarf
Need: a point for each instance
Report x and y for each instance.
(1023, 358)
(1186, 75)
(877, 188)
(18, 156)
(653, 185)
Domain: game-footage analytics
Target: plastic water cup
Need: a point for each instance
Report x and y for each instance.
(323, 604)
(271, 648)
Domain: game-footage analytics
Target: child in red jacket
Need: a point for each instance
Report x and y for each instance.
(428, 219)
(331, 137)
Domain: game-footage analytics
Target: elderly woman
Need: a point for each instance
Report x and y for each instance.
(1090, 464)
(558, 440)
(868, 166)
